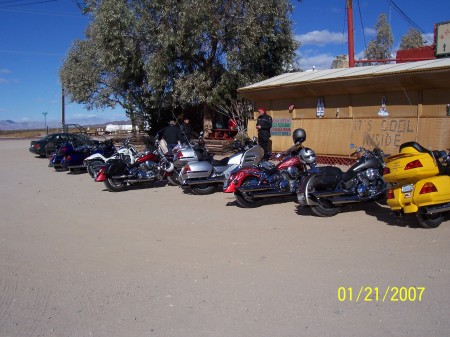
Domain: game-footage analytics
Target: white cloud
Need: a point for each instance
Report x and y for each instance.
(370, 31)
(428, 38)
(321, 38)
(317, 61)
(5, 71)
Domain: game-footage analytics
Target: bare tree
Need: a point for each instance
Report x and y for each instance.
(239, 110)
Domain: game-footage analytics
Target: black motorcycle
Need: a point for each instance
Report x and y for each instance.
(149, 166)
(328, 190)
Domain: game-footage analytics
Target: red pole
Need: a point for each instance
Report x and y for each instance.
(351, 42)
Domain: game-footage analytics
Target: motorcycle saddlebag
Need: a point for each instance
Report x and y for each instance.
(116, 168)
(328, 176)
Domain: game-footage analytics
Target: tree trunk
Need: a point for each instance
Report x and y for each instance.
(207, 121)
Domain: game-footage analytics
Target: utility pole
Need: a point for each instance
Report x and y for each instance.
(351, 41)
(63, 117)
(45, 121)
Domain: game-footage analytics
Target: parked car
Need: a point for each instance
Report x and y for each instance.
(45, 146)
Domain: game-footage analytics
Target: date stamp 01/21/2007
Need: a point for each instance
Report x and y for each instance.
(377, 294)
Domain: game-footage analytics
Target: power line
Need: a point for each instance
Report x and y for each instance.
(362, 25)
(25, 4)
(409, 20)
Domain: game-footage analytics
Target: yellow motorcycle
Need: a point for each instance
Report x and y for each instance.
(420, 183)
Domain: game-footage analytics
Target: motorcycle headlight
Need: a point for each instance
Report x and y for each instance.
(372, 173)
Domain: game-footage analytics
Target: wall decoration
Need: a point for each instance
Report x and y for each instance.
(383, 110)
(291, 108)
(320, 110)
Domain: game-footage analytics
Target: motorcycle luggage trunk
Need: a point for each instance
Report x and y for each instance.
(442, 184)
(397, 164)
(184, 156)
(198, 169)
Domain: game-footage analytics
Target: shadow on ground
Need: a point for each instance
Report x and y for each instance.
(380, 211)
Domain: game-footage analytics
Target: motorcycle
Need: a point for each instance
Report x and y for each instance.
(203, 177)
(97, 160)
(328, 190)
(183, 154)
(70, 155)
(266, 180)
(75, 160)
(150, 166)
(420, 181)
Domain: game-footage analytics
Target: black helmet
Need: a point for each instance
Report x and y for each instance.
(299, 136)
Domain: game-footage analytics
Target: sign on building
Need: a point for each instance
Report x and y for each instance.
(443, 39)
(281, 127)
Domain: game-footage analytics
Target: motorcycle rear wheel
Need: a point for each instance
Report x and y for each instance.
(324, 211)
(93, 166)
(49, 149)
(174, 178)
(243, 200)
(203, 189)
(430, 220)
(114, 185)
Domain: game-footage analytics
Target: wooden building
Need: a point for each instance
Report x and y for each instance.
(341, 109)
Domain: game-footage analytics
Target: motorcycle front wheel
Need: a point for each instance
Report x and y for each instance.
(242, 199)
(325, 211)
(203, 189)
(114, 185)
(430, 220)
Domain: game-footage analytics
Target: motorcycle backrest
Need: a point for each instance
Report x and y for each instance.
(416, 146)
(252, 156)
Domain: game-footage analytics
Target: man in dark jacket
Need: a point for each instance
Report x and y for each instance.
(172, 135)
(186, 131)
(263, 125)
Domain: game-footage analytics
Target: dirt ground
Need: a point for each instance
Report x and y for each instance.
(77, 261)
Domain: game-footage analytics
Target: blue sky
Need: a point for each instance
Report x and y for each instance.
(36, 35)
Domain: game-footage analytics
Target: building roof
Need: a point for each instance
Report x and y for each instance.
(397, 76)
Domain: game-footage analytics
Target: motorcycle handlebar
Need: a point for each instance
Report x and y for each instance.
(294, 147)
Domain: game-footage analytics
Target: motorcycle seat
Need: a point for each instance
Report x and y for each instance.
(221, 162)
(268, 167)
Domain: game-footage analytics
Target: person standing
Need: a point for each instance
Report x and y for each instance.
(172, 135)
(186, 130)
(263, 125)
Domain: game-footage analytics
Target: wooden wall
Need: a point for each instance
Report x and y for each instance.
(414, 115)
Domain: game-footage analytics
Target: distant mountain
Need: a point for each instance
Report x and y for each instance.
(30, 125)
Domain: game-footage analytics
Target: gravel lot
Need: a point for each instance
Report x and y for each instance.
(77, 260)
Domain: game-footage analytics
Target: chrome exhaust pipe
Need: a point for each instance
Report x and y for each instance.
(204, 181)
(271, 194)
(344, 200)
(437, 209)
(121, 177)
(255, 189)
(328, 194)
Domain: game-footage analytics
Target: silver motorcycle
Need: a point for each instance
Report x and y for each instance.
(203, 177)
(185, 153)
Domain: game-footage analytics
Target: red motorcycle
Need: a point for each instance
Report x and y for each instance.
(265, 180)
